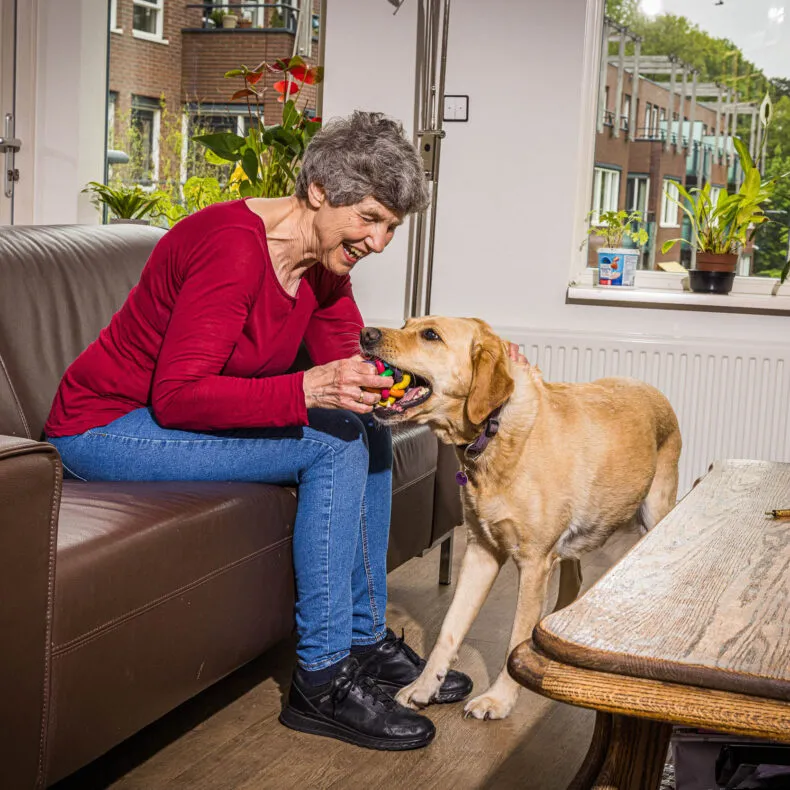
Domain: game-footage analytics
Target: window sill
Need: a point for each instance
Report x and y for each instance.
(117, 30)
(680, 300)
(149, 37)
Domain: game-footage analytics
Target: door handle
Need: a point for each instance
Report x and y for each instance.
(9, 145)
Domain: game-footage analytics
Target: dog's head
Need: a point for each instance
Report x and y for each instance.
(458, 369)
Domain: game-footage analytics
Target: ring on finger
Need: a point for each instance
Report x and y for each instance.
(361, 396)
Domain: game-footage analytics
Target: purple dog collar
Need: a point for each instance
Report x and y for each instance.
(476, 448)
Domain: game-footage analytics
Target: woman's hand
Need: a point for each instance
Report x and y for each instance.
(338, 385)
(515, 354)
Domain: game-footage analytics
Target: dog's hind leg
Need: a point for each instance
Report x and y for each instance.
(479, 569)
(498, 701)
(662, 496)
(570, 583)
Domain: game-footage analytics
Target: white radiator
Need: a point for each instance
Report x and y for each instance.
(732, 401)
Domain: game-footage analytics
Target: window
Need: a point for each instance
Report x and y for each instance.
(284, 14)
(145, 122)
(626, 112)
(637, 188)
(669, 209)
(111, 102)
(147, 19)
(606, 192)
(652, 170)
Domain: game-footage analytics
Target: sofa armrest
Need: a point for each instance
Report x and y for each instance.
(30, 485)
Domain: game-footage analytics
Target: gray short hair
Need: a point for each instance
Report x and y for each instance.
(365, 155)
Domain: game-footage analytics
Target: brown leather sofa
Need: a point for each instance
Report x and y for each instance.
(120, 601)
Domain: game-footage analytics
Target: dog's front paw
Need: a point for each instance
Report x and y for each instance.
(419, 694)
(491, 705)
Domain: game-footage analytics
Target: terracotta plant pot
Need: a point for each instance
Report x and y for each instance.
(245, 22)
(711, 262)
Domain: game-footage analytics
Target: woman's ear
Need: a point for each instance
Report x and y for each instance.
(492, 384)
(315, 195)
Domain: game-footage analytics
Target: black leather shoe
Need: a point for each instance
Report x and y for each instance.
(353, 708)
(393, 665)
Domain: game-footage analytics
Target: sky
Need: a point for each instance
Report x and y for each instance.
(760, 28)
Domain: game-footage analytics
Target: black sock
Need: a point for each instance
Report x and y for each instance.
(319, 677)
(361, 650)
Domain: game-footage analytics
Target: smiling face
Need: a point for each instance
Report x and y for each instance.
(459, 364)
(346, 234)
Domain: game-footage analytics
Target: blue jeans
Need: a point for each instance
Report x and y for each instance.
(342, 464)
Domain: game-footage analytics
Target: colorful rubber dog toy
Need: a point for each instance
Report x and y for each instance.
(396, 391)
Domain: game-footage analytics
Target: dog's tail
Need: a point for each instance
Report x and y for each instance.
(662, 496)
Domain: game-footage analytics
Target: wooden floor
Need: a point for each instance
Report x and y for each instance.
(228, 738)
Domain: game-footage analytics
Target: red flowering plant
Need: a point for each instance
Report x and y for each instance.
(268, 159)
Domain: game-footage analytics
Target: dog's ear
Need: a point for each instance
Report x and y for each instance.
(492, 385)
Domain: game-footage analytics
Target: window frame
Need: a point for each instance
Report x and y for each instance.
(114, 18)
(159, 7)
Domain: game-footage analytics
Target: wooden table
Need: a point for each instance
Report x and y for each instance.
(691, 627)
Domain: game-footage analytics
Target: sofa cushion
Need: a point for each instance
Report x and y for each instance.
(125, 547)
(163, 538)
(60, 287)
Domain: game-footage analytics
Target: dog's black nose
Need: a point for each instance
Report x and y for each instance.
(369, 336)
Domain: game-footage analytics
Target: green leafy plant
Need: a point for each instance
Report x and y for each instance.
(614, 226)
(123, 202)
(731, 221)
(268, 159)
(721, 227)
(198, 191)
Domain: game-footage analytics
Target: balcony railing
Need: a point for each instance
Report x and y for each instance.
(249, 15)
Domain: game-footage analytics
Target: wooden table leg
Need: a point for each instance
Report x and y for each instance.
(626, 753)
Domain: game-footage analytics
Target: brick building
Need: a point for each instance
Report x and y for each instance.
(654, 134)
(166, 77)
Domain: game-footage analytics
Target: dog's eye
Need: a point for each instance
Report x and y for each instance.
(430, 334)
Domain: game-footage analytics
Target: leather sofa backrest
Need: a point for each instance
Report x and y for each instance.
(59, 286)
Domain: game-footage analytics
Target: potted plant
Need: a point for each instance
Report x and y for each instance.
(617, 264)
(216, 17)
(720, 230)
(268, 159)
(230, 19)
(128, 205)
(245, 20)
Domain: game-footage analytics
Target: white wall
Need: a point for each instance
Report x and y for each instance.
(508, 222)
(370, 65)
(69, 109)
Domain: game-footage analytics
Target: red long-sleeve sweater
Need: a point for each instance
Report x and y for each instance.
(205, 337)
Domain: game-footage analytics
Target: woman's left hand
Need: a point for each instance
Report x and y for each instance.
(515, 354)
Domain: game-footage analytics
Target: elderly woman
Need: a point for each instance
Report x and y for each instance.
(189, 382)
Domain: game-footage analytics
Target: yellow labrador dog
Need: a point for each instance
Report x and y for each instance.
(550, 471)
